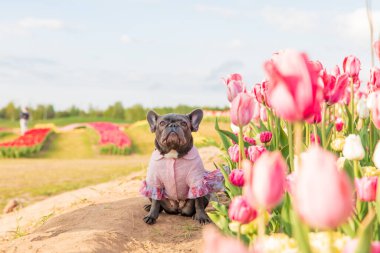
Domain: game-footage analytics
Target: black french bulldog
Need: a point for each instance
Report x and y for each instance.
(174, 140)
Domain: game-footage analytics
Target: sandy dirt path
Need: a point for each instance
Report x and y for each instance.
(101, 218)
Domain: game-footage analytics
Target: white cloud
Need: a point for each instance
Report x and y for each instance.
(235, 43)
(290, 19)
(354, 25)
(221, 11)
(126, 39)
(26, 25)
(41, 23)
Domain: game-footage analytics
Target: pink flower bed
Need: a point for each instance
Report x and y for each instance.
(112, 140)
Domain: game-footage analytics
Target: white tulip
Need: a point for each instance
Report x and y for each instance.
(353, 148)
(376, 156)
(234, 128)
(362, 109)
(340, 162)
(371, 100)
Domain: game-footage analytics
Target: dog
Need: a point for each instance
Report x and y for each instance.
(177, 182)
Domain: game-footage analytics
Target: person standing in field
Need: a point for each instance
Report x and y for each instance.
(24, 117)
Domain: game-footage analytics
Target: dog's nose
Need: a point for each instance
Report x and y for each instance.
(173, 125)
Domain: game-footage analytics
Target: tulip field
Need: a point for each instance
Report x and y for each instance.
(302, 162)
(112, 140)
(29, 143)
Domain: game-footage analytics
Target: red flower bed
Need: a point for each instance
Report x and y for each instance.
(31, 142)
(112, 140)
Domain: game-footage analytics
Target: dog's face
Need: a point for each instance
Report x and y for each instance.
(173, 131)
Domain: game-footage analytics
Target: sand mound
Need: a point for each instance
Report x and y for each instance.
(101, 218)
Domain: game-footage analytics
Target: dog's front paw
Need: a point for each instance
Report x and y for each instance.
(149, 220)
(147, 207)
(202, 218)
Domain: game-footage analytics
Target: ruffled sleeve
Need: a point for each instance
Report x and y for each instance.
(153, 187)
(208, 182)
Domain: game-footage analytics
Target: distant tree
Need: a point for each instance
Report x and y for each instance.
(49, 112)
(11, 112)
(135, 113)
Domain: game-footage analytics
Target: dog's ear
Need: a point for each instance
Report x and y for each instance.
(152, 117)
(195, 119)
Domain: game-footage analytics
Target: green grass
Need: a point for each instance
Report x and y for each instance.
(76, 144)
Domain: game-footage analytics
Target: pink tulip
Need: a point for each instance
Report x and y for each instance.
(351, 247)
(294, 92)
(374, 81)
(351, 66)
(315, 118)
(322, 193)
(289, 182)
(235, 86)
(236, 177)
(265, 183)
(263, 114)
(366, 188)
(334, 87)
(240, 211)
(312, 139)
(376, 110)
(249, 140)
(339, 123)
(254, 152)
(265, 136)
(376, 46)
(260, 91)
(242, 109)
(233, 151)
(256, 111)
(217, 243)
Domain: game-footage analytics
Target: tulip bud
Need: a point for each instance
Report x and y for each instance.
(242, 109)
(265, 184)
(353, 148)
(263, 114)
(339, 123)
(240, 211)
(376, 110)
(236, 177)
(265, 136)
(351, 66)
(235, 86)
(319, 183)
(249, 140)
(312, 139)
(234, 152)
(254, 152)
(366, 188)
(376, 156)
(337, 144)
(362, 109)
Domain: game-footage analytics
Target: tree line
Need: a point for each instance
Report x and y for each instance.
(115, 111)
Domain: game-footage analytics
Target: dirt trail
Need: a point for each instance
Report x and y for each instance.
(101, 218)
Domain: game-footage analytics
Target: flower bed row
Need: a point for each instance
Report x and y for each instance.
(29, 143)
(112, 140)
(302, 164)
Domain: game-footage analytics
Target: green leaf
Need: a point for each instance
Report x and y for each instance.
(300, 233)
(226, 143)
(365, 233)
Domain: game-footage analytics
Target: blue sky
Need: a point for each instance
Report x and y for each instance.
(160, 52)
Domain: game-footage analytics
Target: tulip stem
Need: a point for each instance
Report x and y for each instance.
(352, 105)
(298, 138)
(241, 146)
(307, 135)
(323, 127)
(239, 232)
(331, 241)
(356, 169)
(289, 127)
(261, 223)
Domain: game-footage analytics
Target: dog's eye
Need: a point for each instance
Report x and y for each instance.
(162, 123)
(183, 124)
